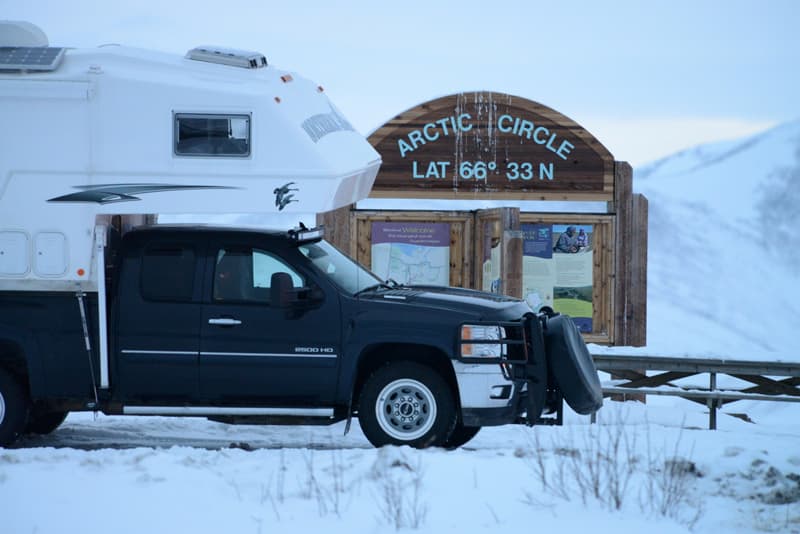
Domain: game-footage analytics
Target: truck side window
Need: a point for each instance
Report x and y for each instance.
(211, 135)
(244, 275)
(168, 272)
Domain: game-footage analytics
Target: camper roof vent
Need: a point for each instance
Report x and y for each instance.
(228, 56)
(20, 33)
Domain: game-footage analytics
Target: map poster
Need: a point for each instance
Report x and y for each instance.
(538, 269)
(557, 268)
(412, 253)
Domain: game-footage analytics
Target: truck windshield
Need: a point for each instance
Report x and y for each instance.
(345, 273)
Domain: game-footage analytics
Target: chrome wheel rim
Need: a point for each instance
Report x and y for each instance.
(406, 409)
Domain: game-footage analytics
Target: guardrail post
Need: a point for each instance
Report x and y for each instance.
(712, 403)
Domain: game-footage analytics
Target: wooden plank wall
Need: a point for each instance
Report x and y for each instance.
(622, 208)
(511, 258)
(338, 228)
(507, 224)
(630, 260)
(637, 291)
(603, 283)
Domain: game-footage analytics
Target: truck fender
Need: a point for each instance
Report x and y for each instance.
(19, 354)
(379, 353)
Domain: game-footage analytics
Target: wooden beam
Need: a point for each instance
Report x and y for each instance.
(636, 295)
(623, 204)
(337, 227)
(511, 258)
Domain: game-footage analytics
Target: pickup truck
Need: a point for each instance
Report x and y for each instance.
(269, 327)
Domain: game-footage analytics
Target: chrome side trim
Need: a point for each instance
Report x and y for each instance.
(269, 354)
(173, 352)
(216, 410)
(253, 354)
(225, 321)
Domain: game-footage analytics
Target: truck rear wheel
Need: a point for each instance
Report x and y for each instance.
(44, 422)
(13, 409)
(405, 403)
(461, 435)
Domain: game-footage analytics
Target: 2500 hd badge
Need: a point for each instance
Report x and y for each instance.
(315, 350)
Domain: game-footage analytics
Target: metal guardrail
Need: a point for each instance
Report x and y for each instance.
(772, 381)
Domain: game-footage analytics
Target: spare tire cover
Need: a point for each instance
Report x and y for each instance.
(572, 365)
(536, 370)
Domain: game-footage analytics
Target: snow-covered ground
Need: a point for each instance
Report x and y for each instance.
(720, 284)
(654, 469)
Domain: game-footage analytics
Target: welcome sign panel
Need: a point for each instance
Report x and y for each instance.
(411, 253)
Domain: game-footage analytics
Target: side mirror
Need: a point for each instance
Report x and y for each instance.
(283, 294)
(281, 290)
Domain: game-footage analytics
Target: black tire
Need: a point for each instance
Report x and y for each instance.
(405, 403)
(572, 365)
(44, 422)
(14, 408)
(461, 435)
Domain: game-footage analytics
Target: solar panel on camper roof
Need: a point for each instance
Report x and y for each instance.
(30, 57)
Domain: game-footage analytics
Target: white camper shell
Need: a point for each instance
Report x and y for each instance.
(91, 133)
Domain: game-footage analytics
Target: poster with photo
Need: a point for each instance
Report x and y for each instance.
(412, 253)
(557, 270)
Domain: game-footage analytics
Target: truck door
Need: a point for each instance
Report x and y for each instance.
(253, 350)
(158, 322)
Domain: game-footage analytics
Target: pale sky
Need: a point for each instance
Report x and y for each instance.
(647, 78)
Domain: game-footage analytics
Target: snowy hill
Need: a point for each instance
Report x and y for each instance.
(724, 261)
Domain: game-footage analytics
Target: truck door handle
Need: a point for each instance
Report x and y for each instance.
(225, 321)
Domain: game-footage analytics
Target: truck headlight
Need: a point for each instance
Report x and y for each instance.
(482, 333)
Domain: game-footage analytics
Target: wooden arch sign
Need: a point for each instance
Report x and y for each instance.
(490, 145)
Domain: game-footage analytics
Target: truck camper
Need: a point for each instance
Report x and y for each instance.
(101, 311)
(116, 130)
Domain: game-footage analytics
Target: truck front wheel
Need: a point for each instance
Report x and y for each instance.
(405, 403)
(13, 409)
(461, 435)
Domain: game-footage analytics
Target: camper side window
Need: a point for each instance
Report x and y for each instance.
(212, 135)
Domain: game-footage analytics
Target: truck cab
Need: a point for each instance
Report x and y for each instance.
(253, 326)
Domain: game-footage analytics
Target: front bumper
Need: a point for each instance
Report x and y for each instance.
(517, 390)
(490, 397)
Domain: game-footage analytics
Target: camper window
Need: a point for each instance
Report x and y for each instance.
(212, 135)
